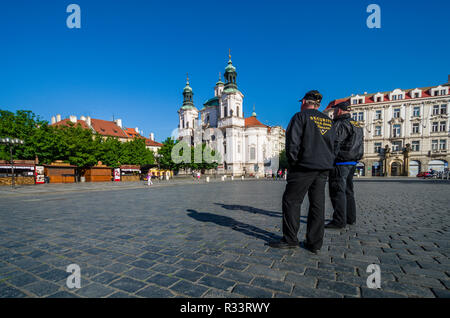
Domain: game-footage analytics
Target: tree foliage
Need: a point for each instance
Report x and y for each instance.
(72, 143)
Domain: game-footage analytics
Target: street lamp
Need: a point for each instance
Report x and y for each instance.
(11, 142)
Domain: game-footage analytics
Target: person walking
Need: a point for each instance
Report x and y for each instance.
(349, 148)
(149, 178)
(309, 150)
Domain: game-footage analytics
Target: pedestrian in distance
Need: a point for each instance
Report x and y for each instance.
(309, 151)
(349, 148)
(149, 178)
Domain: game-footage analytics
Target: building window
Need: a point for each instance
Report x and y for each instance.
(434, 126)
(396, 146)
(360, 101)
(237, 111)
(416, 95)
(443, 126)
(396, 131)
(434, 145)
(378, 114)
(442, 144)
(252, 153)
(396, 112)
(416, 112)
(377, 147)
(442, 91)
(394, 97)
(415, 145)
(360, 116)
(355, 102)
(444, 109)
(377, 130)
(378, 99)
(436, 110)
(355, 116)
(415, 128)
(225, 111)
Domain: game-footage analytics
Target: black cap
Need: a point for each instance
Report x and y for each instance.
(313, 95)
(343, 105)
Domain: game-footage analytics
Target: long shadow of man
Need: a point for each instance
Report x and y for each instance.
(233, 224)
(253, 210)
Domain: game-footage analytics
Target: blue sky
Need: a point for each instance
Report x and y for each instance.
(129, 60)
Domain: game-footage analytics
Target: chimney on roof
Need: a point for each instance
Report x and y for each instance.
(137, 130)
(73, 119)
(118, 122)
(365, 93)
(58, 118)
(152, 136)
(53, 120)
(83, 118)
(88, 121)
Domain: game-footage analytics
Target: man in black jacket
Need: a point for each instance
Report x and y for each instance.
(309, 150)
(349, 148)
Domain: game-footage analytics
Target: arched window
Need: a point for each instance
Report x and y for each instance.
(237, 111)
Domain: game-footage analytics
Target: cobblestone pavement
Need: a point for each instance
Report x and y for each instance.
(208, 240)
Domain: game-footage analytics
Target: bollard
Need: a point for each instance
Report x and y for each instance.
(223, 179)
(242, 177)
(257, 177)
(232, 178)
(207, 179)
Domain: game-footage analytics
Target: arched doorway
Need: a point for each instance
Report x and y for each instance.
(414, 168)
(396, 169)
(437, 165)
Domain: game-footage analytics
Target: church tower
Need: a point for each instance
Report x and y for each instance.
(231, 122)
(188, 115)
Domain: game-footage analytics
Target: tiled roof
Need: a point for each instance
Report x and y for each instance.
(370, 97)
(107, 128)
(131, 132)
(67, 122)
(152, 143)
(253, 122)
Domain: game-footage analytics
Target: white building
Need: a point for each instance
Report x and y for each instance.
(245, 144)
(406, 131)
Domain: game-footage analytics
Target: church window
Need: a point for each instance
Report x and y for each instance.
(252, 153)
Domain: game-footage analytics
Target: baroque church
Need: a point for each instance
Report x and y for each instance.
(246, 146)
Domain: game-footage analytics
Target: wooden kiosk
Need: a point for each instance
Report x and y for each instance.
(60, 172)
(98, 173)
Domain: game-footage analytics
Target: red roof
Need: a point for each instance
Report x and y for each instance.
(131, 132)
(107, 128)
(152, 143)
(67, 122)
(253, 122)
(370, 98)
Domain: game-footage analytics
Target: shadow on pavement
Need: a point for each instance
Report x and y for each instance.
(233, 224)
(253, 210)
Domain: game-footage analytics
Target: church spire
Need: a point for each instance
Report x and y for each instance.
(253, 114)
(230, 73)
(188, 94)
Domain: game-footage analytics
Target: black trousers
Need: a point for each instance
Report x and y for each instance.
(342, 195)
(298, 184)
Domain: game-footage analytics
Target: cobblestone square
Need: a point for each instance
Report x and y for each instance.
(209, 240)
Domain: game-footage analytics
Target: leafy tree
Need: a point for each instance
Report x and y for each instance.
(283, 160)
(165, 155)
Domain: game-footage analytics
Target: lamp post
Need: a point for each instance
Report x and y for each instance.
(11, 142)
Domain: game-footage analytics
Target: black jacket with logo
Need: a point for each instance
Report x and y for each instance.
(310, 141)
(349, 143)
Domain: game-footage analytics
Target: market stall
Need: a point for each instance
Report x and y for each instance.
(130, 173)
(60, 172)
(98, 173)
(24, 171)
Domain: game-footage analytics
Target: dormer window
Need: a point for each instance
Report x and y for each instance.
(358, 100)
(439, 91)
(397, 94)
(378, 97)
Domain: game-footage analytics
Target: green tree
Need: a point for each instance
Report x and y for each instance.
(165, 155)
(283, 160)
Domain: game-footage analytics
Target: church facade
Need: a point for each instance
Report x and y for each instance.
(246, 146)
